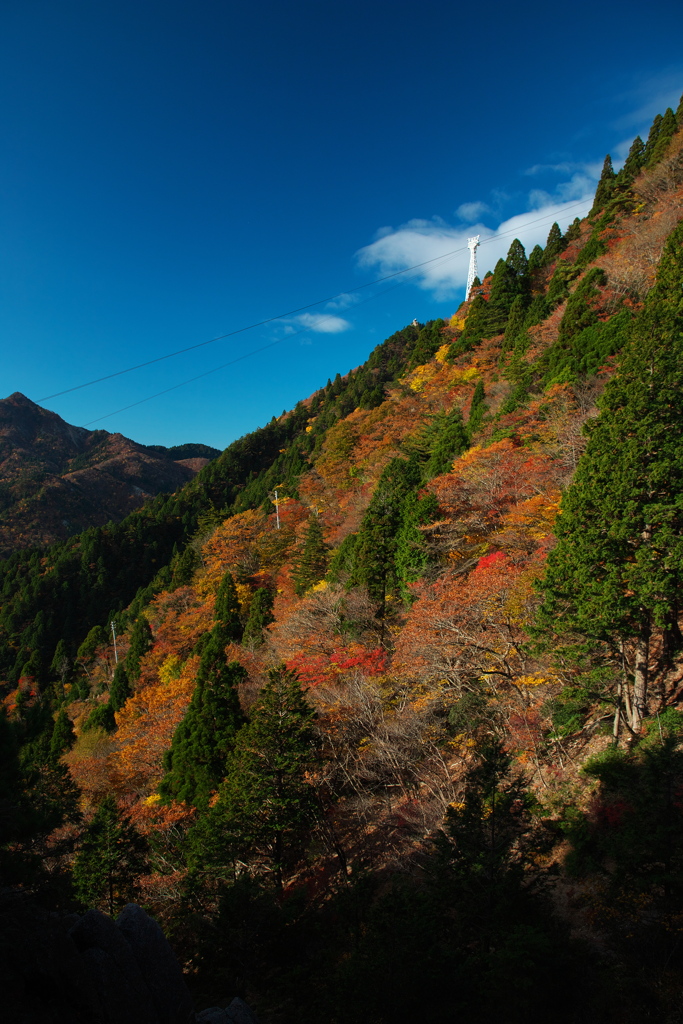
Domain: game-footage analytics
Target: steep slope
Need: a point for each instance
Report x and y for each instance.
(392, 786)
(56, 479)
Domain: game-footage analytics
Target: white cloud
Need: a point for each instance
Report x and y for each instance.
(469, 212)
(444, 248)
(342, 301)
(322, 323)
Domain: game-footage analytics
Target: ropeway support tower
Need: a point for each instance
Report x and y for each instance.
(472, 244)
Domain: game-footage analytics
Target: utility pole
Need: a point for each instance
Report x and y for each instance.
(472, 244)
(113, 633)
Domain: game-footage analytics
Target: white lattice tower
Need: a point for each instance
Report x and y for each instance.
(472, 244)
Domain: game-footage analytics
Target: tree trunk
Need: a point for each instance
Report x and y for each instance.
(640, 677)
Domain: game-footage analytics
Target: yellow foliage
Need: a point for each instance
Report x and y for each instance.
(170, 669)
(536, 679)
(417, 379)
(442, 353)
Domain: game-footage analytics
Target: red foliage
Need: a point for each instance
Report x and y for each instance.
(314, 669)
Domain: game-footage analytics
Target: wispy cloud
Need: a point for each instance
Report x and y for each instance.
(469, 212)
(322, 323)
(341, 302)
(649, 97)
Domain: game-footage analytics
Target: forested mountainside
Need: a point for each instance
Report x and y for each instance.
(56, 480)
(392, 729)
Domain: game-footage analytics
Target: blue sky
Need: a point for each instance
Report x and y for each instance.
(174, 170)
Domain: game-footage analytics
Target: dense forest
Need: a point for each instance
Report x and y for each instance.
(380, 715)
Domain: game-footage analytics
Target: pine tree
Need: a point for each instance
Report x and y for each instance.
(605, 186)
(227, 610)
(61, 663)
(195, 762)
(412, 554)
(375, 547)
(111, 858)
(635, 159)
(517, 261)
(516, 323)
(573, 231)
(667, 130)
(614, 579)
(554, 244)
(140, 643)
(184, 566)
(679, 114)
(451, 441)
(260, 616)
(477, 408)
(652, 138)
(120, 689)
(477, 326)
(95, 638)
(310, 564)
(579, 312)
(63, 735)
(267, 803)
(535, 258)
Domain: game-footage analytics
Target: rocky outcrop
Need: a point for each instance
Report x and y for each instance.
(236, 1013)
(89, 969)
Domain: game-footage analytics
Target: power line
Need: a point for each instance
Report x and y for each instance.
(237, 359)
(439, 260)
(281, 316)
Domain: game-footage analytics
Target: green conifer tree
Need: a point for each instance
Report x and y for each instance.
(140, 643)
(477, 326)
(375, 547)
(634, 160)
(652, 138)
(195, 762)
(614, 579)
(554, 244)
(61, 663)
(310, 564)
(267, 804)
(227, 610)
(517, 262)
(535, 258)
(679, 114)
(477, 408)
(95, 638)
(605, 186)
(667, 130)
(412, 553)
(111, 858)
(120, 689)
(101, 717)
(450, 442)
(515, 325)
(260, 616)
(63, 735)
(573, 231)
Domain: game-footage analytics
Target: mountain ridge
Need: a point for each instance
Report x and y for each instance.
(57, 479)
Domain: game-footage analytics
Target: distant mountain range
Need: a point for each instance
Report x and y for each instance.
(57, 479)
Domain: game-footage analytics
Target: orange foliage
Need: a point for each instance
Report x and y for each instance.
(146, 724)
(464, 627)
